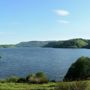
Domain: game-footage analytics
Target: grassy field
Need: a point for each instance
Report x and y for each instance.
(48, 86)
(25, 86)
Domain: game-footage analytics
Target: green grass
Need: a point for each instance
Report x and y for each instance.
(25, 86)
(48, 86)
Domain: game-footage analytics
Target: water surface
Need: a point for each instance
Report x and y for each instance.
(54, 62)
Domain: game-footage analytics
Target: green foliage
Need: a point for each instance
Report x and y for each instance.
(47, 86)
(77, 85)
(39, 77)
(26, 86)
(72, 86)
(80, 70)
(12, 79)
(21, 80)
(73, 43)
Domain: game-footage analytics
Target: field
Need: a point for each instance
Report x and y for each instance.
(48, 86)
(25, 86)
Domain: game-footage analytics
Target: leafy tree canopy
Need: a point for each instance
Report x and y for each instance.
(80, 70)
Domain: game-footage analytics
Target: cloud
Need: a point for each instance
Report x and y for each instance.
(63, 21)
(62, 12)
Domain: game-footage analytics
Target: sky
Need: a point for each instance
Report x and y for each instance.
(27, 20)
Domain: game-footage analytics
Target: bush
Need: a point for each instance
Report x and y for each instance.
(38, 78)
(53, 81)
(12, 79)
(3, 81)
(72, 86)
(80, 70)
(21, 80)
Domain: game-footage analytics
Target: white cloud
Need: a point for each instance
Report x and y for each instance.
(62, 12)
(63, 21)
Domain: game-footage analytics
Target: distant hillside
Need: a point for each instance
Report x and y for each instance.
(72, 43)
(33, 44)
(7, 46)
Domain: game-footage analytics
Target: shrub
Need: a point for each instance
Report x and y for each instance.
(21, 80)
(3, 81)
(72, 86)
(12, 79)
(39, 77)
(80, 70)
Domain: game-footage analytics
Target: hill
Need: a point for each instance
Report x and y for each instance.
(32, 44)
(72, 43)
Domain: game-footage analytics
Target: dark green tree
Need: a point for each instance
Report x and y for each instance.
(80, 70)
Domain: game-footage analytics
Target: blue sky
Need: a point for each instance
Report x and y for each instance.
(26, 20)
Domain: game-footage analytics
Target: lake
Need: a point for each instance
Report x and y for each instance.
(23, 61)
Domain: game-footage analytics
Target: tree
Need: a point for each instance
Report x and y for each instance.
(39, 77)
(80, 70)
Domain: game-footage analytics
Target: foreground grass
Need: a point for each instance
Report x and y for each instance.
(48, 86)
(25, 86)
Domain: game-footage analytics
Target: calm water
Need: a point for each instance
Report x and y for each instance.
(54, 62)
